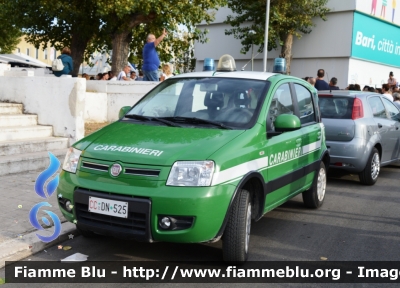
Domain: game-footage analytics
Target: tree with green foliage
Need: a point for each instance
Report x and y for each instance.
(129, 23)
(9, 34)
(62, 24)
(9, 39)
(101, 25)
(286, 19)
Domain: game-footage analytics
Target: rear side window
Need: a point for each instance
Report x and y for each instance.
(336, 107)
(378, 110)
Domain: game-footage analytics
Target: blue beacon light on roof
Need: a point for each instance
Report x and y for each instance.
(208, 64)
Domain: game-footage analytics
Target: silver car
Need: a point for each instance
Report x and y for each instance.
(362, 131)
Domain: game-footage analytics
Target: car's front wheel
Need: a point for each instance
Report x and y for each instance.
(236, 237)
(314, 197)
(370, 174)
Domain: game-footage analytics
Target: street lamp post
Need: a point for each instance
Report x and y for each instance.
(266, 35)
(252, 33)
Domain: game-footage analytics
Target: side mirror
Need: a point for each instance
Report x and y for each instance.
(287, 122)
(123, 111)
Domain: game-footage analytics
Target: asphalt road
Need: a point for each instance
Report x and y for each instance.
(355, 223)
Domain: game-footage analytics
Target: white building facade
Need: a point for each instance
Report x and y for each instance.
(358, 44)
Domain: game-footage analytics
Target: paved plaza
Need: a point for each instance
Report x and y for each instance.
(17, 235)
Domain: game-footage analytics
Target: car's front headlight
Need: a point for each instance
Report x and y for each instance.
(191, 173)
(71, 160)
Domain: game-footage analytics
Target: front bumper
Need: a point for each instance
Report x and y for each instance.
(136, 226)
(148, 202)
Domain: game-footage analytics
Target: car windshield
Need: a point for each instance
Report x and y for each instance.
(214, 102)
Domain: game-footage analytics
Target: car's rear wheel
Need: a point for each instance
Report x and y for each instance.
(314, 197)
(370, 174)
(236, 237)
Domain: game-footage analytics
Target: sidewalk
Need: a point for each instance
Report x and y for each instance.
(17, 236)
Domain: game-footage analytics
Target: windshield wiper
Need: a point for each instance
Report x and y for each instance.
(147, 118)
(195, 120)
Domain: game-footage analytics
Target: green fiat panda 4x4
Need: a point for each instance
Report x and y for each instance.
(198, 158)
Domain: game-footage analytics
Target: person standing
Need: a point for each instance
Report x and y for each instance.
(396, 98)
(123, 75)
(111, 76)
(311, 80)
(386, 92)
(320, 83)
(150, 57)
(133, 75)
(104, 76)
(66, 61)
(392, 82)
(332, 84)
(140, 77)
(167, 73)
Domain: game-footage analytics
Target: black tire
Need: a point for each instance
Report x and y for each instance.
(370, 174)
(86, 233)
(314, 197)
(236, 237)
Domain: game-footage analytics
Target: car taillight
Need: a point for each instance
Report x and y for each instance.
(358, 110)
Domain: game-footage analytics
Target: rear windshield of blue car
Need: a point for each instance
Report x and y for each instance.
(336, 107)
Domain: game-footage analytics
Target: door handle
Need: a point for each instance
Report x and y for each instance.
(379, 125)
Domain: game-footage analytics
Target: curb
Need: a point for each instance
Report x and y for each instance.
(18, 248)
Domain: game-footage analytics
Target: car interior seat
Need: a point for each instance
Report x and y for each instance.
(241, 100)
(240, 112)
(328, 109)
(214, 101)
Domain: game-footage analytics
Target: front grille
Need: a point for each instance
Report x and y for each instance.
(95, 166)
(128, 171)
(142, 172)
(136, 226)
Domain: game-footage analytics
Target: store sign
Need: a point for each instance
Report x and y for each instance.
(375, 40)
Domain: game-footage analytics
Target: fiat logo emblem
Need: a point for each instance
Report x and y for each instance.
(115, 169)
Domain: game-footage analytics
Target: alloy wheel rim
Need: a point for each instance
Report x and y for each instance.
(321, 184)
(248, 226)
(375, 166)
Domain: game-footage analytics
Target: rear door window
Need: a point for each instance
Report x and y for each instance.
(336, 107)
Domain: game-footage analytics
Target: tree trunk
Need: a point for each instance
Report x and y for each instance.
(122, 37)
(78, 47)
(286, 51)
(120, 44)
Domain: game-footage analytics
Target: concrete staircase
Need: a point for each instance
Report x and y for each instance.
(24, 145)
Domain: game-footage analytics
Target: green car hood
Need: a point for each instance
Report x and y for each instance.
(153, 145)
